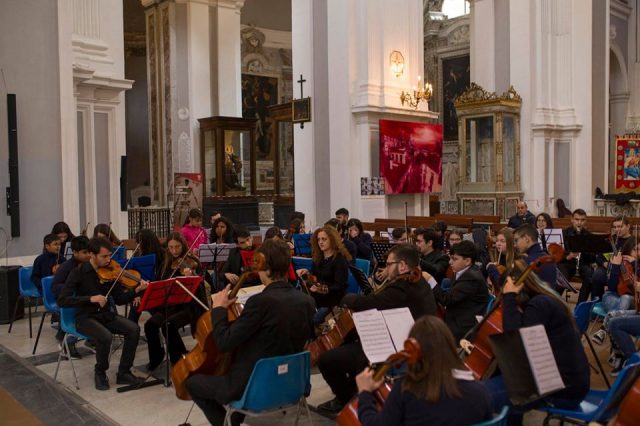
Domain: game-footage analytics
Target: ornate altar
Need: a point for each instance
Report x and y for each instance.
(489, 151)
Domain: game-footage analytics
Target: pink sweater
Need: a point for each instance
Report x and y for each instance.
(190, 233)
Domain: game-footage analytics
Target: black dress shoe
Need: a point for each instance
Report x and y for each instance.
(127, 379)
(102, 383)
(331, 407)
(152, 365)
(73, 351)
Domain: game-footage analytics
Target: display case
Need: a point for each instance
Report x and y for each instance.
(489, 151)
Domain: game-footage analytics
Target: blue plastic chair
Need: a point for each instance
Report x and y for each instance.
(50, 305)
(582, 314)
(598, 405)
(499, 420)
(490, 303)
(68, 325)
(28, 291)
(289, 374)
(302, 244)
(146, 265)
(364, 265)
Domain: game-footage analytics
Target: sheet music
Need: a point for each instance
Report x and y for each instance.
(245, 293)
(399, 322)
(68, 253)
(553, 235)
(543, 364)
(375, 339)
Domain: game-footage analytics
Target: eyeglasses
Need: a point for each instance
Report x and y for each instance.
(392, 263)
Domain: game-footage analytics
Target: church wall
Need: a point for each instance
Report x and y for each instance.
(29, 61)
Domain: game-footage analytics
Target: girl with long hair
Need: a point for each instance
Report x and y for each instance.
(437, 389)
(504, 257)
(222, 231)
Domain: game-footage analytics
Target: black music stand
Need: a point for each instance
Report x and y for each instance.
(591, 243)
(380, 250)
(214, 253)
(162, 294)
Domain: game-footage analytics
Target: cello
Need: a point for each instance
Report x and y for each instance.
(205, 357)
(478, 356)
(629, 411)
(410, 354)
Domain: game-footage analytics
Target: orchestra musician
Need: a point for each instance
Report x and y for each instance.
(362, 240)
(534, 303)
(102, 230)
(620, 233)
(405, 288)
(330, 267)
(504, 257)
(525, 239)
(192, 231)
(468, 295)
(178, 262)
(94, 319)
(62, 230)
(222, 231)
(438, 389)
(277, 321)
(234, 266)
(432, 260)
(574, 262)
(43, 265)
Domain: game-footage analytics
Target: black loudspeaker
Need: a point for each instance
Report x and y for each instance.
(13, 191)
(9, 293)
(123, 183)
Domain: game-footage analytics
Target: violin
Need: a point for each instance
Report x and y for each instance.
(205, 357)
(310, 280)
(113, 271)
(478, 356)
(411, 354)
(187, 262)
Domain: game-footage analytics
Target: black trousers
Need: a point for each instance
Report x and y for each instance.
(340, 366)
(568, 269)
(100, 330)
(210, 393)
(152, 332)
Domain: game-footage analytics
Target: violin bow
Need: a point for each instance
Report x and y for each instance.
(193, 296)
(122, 270)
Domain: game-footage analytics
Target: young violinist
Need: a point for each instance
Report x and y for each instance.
(505, 255)
(80, 249)
(437, 390)
(453, 238)
(44, 264)
(192, 231)
(526, 238)
(468, 295)
(620, 233)
(234, 266)
(264, 329)
(405, 287)
(534, 303)
(432, 260)
(84, 290)
(178, 262)
(330, 267)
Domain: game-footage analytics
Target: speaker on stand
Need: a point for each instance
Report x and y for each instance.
(9, 293)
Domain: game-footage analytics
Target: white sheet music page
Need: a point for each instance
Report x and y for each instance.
(399, 322)
(245, 293)
(375, 339)
(543, 364)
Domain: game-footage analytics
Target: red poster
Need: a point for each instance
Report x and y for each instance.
(627, 164)
(410, 157)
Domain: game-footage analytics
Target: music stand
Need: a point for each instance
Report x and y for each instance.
(302, 244)
(162, 294)
(380, 250)
(214, 253)
(590, 243)
(68, 253)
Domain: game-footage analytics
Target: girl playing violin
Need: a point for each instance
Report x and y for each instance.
(438, 389)
(176, 264)
(620, 296)
(504, 258)
(534, 303)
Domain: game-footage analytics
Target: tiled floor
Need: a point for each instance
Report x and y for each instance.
(155, 405)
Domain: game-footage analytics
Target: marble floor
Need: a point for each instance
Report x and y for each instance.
(29, 379)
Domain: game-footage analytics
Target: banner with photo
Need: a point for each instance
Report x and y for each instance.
(410, 157)
(627, 163)
(188, 195)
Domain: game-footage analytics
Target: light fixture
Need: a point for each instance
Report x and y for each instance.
(418, 94)
(397, 63)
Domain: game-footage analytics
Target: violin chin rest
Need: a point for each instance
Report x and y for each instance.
(466, 345)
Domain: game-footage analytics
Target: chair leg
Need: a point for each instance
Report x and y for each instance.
(227, 417)
(15, 313)
(30, 326)
(73, 369)
(595, 356)
(44, 314)
(55, 375)
(306, 406)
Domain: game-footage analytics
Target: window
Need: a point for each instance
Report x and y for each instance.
(455, 8)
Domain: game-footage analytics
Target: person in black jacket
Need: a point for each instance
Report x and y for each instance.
(522, 216)
(234, 266)
(432, 260)
(569, 264)
(94, 319)
(43, 265)
(534, 303)
(264, 329)
(405, 288)
(438, 389)
(362, 240)
(468, 296)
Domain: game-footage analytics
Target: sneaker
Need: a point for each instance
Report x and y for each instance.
(127, 379)
(599, 336)
(332, 407)
(102, 383)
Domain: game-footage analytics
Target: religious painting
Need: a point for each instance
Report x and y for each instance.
(301, 110)
(627, 164)
(455, 80)
(187, 189)
(410, 157)
(258, 93)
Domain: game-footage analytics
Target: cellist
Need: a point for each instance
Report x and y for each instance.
(534, 303)
(264, 329)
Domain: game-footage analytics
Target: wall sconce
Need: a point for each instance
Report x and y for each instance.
(420, 93)
(397, 63)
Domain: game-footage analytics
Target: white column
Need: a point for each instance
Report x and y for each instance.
(483, 43)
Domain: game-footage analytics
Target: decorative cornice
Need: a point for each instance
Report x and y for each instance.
(475, 95)
(620, 9)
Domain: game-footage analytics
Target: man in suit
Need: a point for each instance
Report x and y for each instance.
(468, 296)
(525, 239)
(265, 329)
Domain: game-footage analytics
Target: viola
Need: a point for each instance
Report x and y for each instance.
(205, 357)
(629, 411)
(113, 271)
(410, 354)
(478, 356)
(627, 278)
